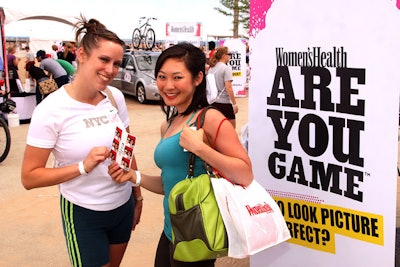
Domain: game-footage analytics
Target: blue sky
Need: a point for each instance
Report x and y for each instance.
(121, 16)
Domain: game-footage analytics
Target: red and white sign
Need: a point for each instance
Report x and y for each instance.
(183, 29)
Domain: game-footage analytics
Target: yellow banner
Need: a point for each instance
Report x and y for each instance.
(315, 225)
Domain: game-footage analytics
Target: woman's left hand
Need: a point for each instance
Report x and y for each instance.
(235, 108)
(191, 139)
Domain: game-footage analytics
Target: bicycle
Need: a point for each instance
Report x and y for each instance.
(6, 106)
(144, 34)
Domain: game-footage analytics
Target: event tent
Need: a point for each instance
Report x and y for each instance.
(43, 30)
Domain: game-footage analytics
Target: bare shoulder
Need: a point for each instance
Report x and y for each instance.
(213, 116)
(213, 120)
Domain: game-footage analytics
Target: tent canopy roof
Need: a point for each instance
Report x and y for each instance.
(54, 25)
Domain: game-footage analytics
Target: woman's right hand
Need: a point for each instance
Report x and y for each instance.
(119, 175)
(95, 157)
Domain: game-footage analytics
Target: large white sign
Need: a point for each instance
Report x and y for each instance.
(323, 127)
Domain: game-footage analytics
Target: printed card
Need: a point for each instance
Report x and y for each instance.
(122, 148)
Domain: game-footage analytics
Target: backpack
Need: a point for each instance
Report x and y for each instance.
(211, 88)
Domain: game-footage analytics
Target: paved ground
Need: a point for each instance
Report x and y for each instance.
(30, 224)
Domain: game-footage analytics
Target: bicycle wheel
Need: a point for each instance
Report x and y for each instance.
(5, 139)
(150, 39)
(136, 38)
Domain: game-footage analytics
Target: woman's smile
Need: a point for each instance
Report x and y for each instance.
(104, 77)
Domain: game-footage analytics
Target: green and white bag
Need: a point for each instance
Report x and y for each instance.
(198, 231)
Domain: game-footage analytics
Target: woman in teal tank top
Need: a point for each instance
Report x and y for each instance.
(172, 160)
(180, 75)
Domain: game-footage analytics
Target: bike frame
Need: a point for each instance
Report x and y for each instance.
(144, 34)
(145, 26)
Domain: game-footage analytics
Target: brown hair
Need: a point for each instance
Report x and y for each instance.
(218, 54)
(11, 49)
(67, 49)
(89, 33)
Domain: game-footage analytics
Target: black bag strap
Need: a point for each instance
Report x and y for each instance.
(192, 157)
(190, 171)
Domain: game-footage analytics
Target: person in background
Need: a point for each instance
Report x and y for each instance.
(37, 75)
(12, 60)
(53, 52)
(180, 78)
(67, 54)
(226, 102)
(12, 63)
(53, 67)
(30, 56)
(98, 214)
(67, 67)
(1, 63)
(211, 50)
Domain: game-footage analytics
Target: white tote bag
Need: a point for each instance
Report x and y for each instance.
(252, 218)
(211, 88)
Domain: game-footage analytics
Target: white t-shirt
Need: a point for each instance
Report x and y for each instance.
(71, 129)
(30, 56)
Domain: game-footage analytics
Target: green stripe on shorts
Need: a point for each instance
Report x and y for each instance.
(67, 210)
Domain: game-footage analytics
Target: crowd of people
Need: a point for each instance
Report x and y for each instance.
(58, 65)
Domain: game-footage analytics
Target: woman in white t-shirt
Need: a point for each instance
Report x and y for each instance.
(77, 124)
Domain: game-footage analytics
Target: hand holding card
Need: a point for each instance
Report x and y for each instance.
(122, 148)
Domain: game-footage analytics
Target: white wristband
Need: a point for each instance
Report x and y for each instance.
(138, 179)
(81, 168)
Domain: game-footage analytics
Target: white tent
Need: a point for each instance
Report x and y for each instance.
(43, 30)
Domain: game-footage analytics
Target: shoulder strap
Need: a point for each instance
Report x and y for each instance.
(219, 127)
(111, 97)
(192, 156)
(201, 116)
(191, 117)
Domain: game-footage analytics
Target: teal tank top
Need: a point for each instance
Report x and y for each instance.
(173, 162)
